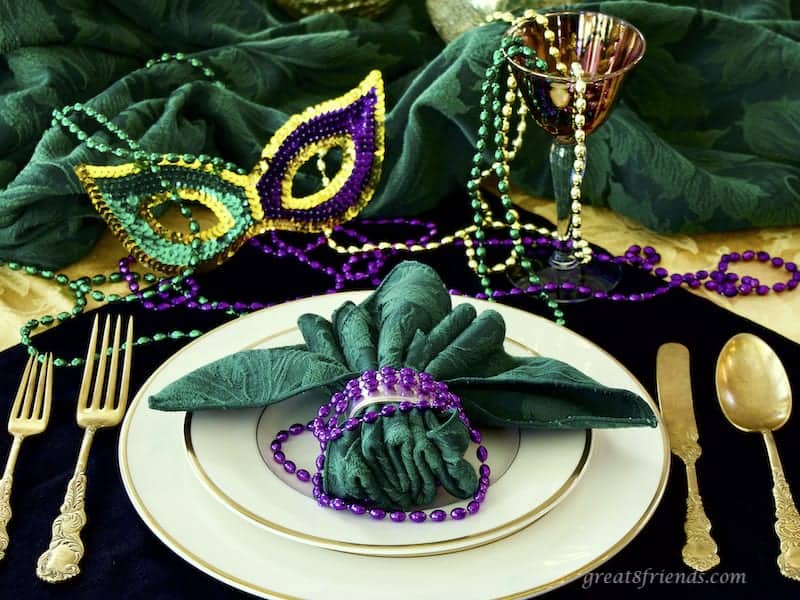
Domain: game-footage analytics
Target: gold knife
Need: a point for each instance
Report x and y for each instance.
(675, 398)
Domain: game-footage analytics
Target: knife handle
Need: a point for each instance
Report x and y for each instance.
(700, 550)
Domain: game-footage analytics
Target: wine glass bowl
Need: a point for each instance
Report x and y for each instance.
(606, 47)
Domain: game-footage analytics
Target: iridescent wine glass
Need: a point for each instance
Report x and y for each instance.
(607, 48)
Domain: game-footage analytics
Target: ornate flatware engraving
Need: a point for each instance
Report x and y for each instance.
(60, 561)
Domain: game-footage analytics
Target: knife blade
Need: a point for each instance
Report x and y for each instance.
(677, 410)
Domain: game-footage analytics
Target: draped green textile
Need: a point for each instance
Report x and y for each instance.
(409, 321)
(705, 136)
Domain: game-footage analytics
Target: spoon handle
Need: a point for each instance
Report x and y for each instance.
(700, 550)
(787, 523)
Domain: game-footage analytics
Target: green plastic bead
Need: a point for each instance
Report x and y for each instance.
(62, 316)
(31, 270)
(46, 274)
(59, 362)
(98, 295)
(189, 158)
(113, 298)
(98, 279)
(76, 310)
(195, 333)
(176, 335)
(14, 266)
(76, 362)
(115, 277)
(148, 294)
(143, 339)
(150, 277)
(158, 337)
(47, 319)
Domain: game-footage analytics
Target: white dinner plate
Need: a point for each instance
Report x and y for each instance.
(615, 497)
(532, 471)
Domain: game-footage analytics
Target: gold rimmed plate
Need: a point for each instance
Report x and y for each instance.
(532, 472)
(615, 497)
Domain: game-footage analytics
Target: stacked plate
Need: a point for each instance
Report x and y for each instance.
(560, 504)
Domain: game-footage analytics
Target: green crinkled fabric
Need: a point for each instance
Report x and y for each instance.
(409, 321)
(705, 136)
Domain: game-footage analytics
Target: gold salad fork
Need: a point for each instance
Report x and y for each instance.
(29, 415)
(60, 561)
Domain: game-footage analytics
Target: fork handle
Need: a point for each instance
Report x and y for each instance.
(60, 561)
(5, 493)
(5, 511)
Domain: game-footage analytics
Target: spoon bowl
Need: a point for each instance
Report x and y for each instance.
(754, 394)
(752, 385)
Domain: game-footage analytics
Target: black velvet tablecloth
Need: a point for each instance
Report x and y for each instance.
(125, 560)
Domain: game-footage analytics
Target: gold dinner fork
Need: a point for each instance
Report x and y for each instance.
(60, 561)
(29, 415)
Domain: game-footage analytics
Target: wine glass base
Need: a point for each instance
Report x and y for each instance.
(595, 275)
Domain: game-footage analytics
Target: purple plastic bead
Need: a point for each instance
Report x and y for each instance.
(289, 466)
(482, 453)
(398, 516)
(458, 514)
(275, 445)
(297, 429)
(418, 516)
(473, 507)
(438, 515)
(485, 471)
(388, 410)
(357, 509)
(282, 435)
(338, 504)
(303, 475)
(279, 457)
(377, 513)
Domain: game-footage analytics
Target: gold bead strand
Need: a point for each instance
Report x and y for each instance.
(582, 249)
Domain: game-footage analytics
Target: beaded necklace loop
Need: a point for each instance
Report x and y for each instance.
(421, 392)
(365, 257)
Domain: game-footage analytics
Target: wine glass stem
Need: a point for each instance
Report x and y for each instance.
(562, 158)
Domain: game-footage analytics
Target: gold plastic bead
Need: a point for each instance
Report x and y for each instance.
(580, 104)
(579, 165)
(580, 136)
(555, 53)
(580, 120)
(549, 35)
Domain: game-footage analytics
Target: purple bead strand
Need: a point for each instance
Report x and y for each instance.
(330, 424)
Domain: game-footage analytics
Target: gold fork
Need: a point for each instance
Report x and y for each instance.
(29, 415)
(60, 561)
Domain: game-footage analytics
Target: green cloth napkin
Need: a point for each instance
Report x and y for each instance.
(704, 137)
(409, 321)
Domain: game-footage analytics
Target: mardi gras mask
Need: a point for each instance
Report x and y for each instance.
(129, 196)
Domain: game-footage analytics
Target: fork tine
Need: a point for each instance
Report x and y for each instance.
(23, 385)
(30, 390)
(126, 369)
(41, 383)
(111, 386)
(100, 376)
(48, 392)
(86, 382)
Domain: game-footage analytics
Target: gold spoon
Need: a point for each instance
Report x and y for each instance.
(754, 394)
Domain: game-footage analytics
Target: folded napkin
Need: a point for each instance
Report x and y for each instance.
(409, 322)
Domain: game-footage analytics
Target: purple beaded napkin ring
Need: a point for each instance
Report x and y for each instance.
(370, 389)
